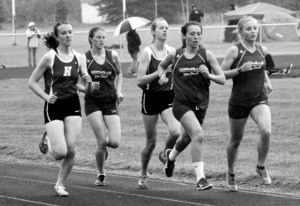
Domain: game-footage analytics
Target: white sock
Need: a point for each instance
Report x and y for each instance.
(173, 154)
(198, 167)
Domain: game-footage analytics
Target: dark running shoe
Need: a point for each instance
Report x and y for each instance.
(203, 184)
(162, 157)
(44, 144)
(170, 165)
(100, 180)
(106, 154)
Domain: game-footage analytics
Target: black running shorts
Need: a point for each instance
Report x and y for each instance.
(156, 102)
(62, 108)
(95, 104)
(180, 109)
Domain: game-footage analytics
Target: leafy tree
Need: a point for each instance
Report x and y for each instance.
(2, 17)
(62, 11)
(112, 9)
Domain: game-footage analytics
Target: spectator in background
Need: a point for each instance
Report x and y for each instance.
(133, 44)
(230, 35)
(196, 14)
(33, 35)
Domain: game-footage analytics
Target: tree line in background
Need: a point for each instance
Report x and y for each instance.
(175, 10)
(49, 11)
(40, 11)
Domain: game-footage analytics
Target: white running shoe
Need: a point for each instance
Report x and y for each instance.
(264, 175)
(143, 182)
(230, 182)
(61, 191)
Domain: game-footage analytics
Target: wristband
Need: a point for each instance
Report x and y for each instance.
(239, 69)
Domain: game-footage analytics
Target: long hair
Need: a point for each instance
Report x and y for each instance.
(50, 38)
(185, 27)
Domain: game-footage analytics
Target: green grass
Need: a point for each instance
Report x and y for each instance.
(21, 125)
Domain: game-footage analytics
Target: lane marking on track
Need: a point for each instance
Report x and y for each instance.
(24, 200)
(154, 180)
(108, 191)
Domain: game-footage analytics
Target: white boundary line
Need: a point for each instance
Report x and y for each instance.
(171, 28)
(155, 180)
(108, 191)
(24, 200)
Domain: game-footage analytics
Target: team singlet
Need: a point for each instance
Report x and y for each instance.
(61, 77)
(154, 61)
(248, 87)
(104, 73)
(190, 87)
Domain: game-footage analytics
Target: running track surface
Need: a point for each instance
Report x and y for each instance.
(28, 184)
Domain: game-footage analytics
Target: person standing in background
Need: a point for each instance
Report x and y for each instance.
(133, 45)
(33, 35)
(196, 14)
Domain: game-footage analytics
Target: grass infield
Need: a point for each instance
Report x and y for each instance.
(21, 125)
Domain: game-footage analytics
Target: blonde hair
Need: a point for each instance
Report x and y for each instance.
(243, 21)
(154, 25)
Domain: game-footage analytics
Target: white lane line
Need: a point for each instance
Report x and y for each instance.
(24, 200)
(109, 191)
(154, 180)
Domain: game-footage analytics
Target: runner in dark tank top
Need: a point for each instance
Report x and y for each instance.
(193, 68)
(245, 64)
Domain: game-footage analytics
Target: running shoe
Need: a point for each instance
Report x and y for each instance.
(106, 154)
(162, 157)
(43, 145)
(264, 175)
(61, 191)
(288, 70)
(143, 182)
(170, 165)
(100, 180)
(230, 182)
(203, 184)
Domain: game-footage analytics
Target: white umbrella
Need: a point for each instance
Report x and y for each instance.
(129, 24)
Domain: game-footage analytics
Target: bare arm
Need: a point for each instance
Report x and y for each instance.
(218, 75)
(267, 83)
(119, 78)
(85, 79)
(33, 82)
(143, 78)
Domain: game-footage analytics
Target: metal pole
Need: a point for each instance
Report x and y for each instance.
(187, 10)
(13, 22)
(155, 4)
(124, 9)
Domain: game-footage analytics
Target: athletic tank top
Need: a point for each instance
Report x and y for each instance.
(190, 87)
(61, 77)
(248, 87)
(154, 61)
(105, 74)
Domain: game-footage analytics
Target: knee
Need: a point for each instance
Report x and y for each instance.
(59, 153)
(198, 138)
(235, 143)
(175, 133)
(113, 144)
(71, 153)
(266, 133)
(151, 144)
